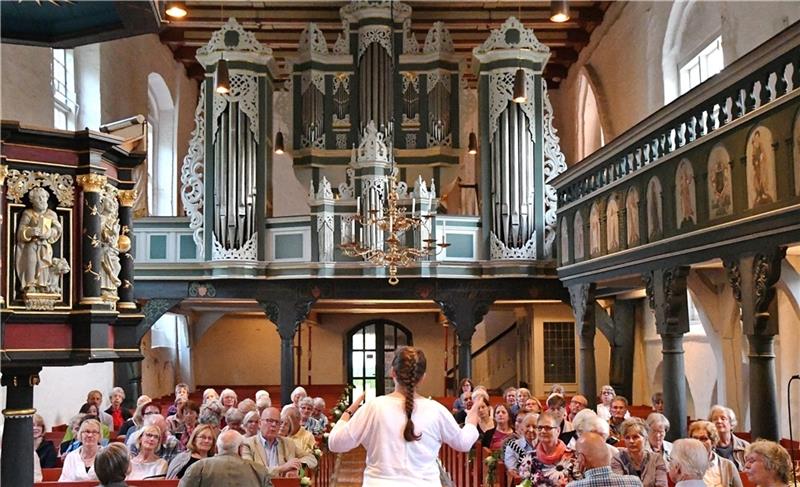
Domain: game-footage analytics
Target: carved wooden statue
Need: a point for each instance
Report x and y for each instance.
(109, 241)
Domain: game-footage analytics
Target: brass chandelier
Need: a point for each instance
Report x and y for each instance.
(393, 223)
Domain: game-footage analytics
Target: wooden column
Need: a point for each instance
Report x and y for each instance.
(125, 291)
(91, 254)
(17, 458)
(581, 297)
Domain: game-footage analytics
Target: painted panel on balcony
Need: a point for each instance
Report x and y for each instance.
(797, 153)
(578, 231)
(720, 186)
(632, 217)
(760, 168)
(655, 210)
(685, 199)
(612, 224)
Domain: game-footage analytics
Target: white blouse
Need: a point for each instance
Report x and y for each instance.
(74, 470)
(140, 471)
(391, 460)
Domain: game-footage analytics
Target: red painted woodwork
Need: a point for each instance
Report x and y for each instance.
(37, 336)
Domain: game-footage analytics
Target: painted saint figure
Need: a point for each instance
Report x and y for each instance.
(761, 185)
(758, 159)
(594, 230)
(685, 198)
(719, 183)
(37, 231)
(632, 217)
(654, 222)
(612, 224)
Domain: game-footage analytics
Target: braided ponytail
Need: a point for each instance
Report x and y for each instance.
(409, 365)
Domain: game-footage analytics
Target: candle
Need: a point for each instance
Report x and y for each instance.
(358, 204)
(444, 230)
(353, 229)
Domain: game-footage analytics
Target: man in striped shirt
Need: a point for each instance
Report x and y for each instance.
(594, 459)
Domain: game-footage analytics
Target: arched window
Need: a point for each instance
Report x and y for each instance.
(590, 130)
(370, 350)
(162, 172)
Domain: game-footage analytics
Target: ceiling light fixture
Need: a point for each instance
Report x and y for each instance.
(279, 142)
(559, 11)
(519, 86)
(473, 143)
(222, 83)
(176, 10)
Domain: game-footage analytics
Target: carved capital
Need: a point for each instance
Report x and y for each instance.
(581, 297)
(92, 183)
(752, 278)
(126, 197)
(666, 294)
(734, 278)
(464, 312)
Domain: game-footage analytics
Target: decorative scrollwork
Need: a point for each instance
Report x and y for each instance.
(233, 37)
(501, 92)
(342, 44)
(410, 44)
(503, 38)
(312, 40)
(192, 172)
(438, 77)
(499, 250)
(244, 90)
(248, 251)
(325, 191)
(438, 39)
(347, 189)
(381, 34)
(20, 182)
(373, 145)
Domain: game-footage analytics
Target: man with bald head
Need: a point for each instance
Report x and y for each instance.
(594, 460)
(226, 468)
(279, 455)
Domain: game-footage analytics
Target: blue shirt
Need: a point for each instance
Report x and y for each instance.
(604, 477)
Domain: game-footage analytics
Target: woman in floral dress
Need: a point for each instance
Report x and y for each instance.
(551, 464)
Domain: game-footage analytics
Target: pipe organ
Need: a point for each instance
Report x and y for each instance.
(225, 175)
(519, 148)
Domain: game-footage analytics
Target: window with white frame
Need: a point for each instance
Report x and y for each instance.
(701, 67)
(65, 108)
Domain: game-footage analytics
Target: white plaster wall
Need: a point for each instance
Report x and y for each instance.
(497, 366)
(787, 343)
(25, 90)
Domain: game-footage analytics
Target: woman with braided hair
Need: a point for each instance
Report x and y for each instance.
(402, 452)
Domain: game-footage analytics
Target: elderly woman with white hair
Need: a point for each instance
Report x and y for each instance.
(118, 413)
(658, 425)
(297, 394)
(307, 416)
(319, 413)
(729, 445)
(721, 471)
(587, 421)
(688, 463)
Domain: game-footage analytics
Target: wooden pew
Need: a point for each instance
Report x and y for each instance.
(50, 474)
(131, 483)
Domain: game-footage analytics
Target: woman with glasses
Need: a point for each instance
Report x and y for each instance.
(636, 458)
(658, 425)
(79, 464)
(721, 471)
(202, 444)
(607, 394)
(142, 412)
(402, 431)
(147, 464)
(552, 464)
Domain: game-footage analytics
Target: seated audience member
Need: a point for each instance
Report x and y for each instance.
(587, 421)
(319, 413)
(37, 468)
(619, 413)
(577, 404)
(96, 397)
(251, 424)
(211, 413)
(658, 425)
(721, 471)
(46, 455)
(261, 393)
(111, 465)
(118, 413)
(297, 394)
(209, 394)
(553, 462)
(465, 386)
(767, 464)
(307, 416)
(485, 420)
(558, 406)
(201, 445)
(593, 460)
(557, 389)
(524, 446)
(510, 397)
(233, 420)
(523, 395)
(688, 463)
(131, 422)
(494, 438)
(263, 403)
(226, 468)
(147, 464)
(79, 464)
(143, 411)
(181, 392)
(607, 395)
(636, 458)
(729, 445)
(73, 442)
(657, 401)
(229, 399)
(279, 455)
(89, 409)
(246, 405)
(169, 445)
(191, 415)
(303, 438)
(461, 416)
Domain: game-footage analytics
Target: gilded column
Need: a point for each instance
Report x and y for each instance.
(3, 174)
(91, 252)
(126, 201)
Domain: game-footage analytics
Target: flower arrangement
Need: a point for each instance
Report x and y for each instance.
(491, 467)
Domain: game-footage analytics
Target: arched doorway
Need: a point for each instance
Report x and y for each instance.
(369, 351)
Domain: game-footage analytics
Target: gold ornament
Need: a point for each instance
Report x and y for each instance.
(126, 197)
(92, 183)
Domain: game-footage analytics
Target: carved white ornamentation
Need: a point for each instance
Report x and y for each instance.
(316, 78)
(325, 237)
(438, 39)
(324, 191)
(248, 251)
(342, 44)
(554, 164)
(421, 190)
(373, 145)
(244, 90)
(410, 78)
(504, 39)
(246, 40)
(347, 189)
(341, 79)
(192, 170)
(353, 10)
(381, 34)
(411, 139)
(20, 182)
(440, 142)
(436, 77)
(341, 139)
(410, 44)
(312, 40)
(346, 229)
(501, 91)
(498, 249)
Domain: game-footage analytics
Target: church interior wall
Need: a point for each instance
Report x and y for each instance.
(25, 76)
(497, 366)
(787, 361)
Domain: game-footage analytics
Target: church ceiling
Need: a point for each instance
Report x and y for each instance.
(278, 24)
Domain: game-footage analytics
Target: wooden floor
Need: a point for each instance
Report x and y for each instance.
(350, 469)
